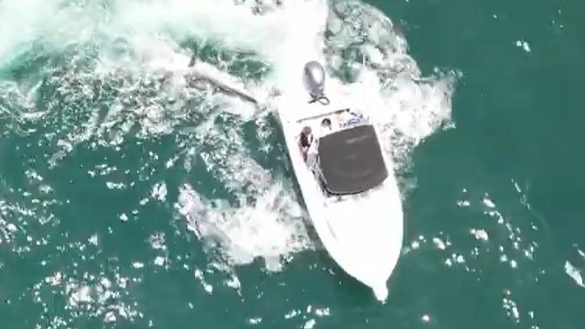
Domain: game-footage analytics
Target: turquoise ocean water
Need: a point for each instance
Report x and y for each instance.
(131, 200)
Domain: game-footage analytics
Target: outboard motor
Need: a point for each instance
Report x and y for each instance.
(315, 82)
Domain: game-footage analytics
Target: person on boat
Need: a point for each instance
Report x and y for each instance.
(305, 141)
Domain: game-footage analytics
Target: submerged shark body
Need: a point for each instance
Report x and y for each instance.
(224, 82)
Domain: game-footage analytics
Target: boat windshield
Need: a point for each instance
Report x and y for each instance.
(351, 160)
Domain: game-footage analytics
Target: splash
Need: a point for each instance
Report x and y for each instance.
(116, 75)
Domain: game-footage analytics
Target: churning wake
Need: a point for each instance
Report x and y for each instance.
(110, 73)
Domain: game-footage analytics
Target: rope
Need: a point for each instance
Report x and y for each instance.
(321, 99)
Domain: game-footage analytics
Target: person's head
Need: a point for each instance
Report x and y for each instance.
(307, 130)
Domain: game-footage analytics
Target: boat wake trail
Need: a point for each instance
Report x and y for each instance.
(115, 79)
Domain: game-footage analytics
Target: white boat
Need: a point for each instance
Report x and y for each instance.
(347, 181)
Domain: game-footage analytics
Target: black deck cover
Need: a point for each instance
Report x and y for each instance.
(351, 160)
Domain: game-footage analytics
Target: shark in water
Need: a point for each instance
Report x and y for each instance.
(226, 83)
(218, 79)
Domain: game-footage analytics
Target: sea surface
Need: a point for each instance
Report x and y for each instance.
(132, 199)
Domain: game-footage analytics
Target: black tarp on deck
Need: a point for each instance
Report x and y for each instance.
(351, 160)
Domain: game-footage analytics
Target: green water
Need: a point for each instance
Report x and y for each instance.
(93, 224)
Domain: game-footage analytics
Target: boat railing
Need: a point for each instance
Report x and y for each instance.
(323, 114)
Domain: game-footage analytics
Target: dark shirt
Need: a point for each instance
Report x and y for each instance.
(304, 140)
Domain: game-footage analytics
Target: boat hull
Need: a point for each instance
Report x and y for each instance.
(363, 233)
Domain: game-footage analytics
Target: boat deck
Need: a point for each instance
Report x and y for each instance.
(339, 114)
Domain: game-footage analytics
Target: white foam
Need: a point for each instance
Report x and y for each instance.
(18, 13)
(385, 76)
(266, 229)
(574, 273)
